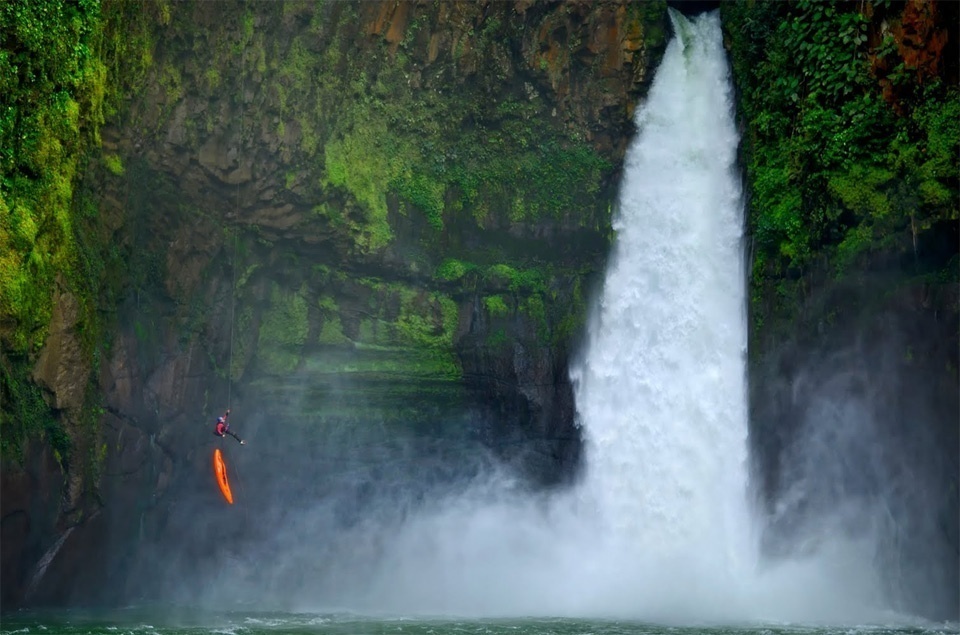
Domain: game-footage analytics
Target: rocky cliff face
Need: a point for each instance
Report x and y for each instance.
(350, 222)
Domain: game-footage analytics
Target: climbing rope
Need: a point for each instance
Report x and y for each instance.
(233, 303)
(236, 239)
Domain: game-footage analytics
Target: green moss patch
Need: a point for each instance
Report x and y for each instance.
(283, 331)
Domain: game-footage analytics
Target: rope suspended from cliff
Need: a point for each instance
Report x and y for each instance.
(233, 304)
(236, 240)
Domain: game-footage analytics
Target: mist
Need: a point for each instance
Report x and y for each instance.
(865, 453)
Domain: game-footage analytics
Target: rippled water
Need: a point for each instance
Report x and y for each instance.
(181, 622)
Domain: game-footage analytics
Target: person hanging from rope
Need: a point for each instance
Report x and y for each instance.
(222, 428)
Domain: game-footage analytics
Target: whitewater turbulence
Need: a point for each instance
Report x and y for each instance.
(661, 388)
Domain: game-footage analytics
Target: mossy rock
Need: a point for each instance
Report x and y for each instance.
(283, 330)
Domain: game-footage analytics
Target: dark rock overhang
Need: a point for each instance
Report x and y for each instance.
(693, 7)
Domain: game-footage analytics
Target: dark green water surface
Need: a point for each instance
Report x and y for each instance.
(168, 622)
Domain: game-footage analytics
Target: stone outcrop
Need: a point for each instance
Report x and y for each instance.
(62, 367)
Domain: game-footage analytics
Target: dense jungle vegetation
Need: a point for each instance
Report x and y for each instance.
(851, 113)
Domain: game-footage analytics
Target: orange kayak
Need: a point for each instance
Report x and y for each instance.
(220, 469)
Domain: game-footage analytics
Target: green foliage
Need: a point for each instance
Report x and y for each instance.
(331, 331)
(53, 81)
(212, 77)
(525, 170)
(572, 318)
(535, 308)
(297, 67)
(171, 81)
(495, 305)
(114, 164)
(26, 415)
(861, 189)
(647, 17)
(452, 270)
(424, 193)
(359, 162)
(283, 330)
(327, 305)
(406, 322)
(836, 171)
(88, 438)
(497, 338)
(381, 144)
(244, 277)
(527, 280)
(56, 94)
(388, 363)
(426, 320)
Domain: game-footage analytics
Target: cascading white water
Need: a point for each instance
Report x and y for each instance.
(660, 527)
(661, 388)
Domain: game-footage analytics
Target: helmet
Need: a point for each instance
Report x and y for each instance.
(219, 419)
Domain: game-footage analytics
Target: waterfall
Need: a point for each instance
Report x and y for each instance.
(661, 389)
(659, 528)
